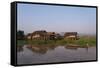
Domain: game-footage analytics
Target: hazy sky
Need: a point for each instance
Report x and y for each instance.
(56, 18)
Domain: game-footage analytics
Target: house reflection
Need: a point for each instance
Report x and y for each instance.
(41, 49)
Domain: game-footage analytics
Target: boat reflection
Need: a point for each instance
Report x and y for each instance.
(72, 48)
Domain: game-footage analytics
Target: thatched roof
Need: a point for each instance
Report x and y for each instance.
(42, 32)
(70, 33)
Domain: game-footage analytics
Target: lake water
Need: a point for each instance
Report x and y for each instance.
(51, 54)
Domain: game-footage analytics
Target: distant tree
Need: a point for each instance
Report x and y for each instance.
(20, 35)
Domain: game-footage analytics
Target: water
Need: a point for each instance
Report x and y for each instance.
(50, 54)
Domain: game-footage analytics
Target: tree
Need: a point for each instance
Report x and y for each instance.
(20, 35)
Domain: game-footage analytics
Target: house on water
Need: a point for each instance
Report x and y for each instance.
(71, 35)
(42, 35)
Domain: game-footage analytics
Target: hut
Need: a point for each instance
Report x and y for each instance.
(39, 35)
(71, 35)
(43, 35)
(51, 35)
(29, 36)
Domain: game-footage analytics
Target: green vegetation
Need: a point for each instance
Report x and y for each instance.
(21, 42)
(91, 41)
(83, 41)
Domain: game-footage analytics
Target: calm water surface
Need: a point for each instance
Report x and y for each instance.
(49, 54)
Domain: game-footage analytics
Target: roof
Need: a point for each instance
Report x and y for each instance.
(51, 33)
(70, 33)
(41, 32)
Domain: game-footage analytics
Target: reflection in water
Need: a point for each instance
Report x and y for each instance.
(19, 48)
(72, 48)
(38, 49)
(34, 54)
(42, 49)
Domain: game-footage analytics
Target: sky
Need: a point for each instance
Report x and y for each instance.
(33, 17)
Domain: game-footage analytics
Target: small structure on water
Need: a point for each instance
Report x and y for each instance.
(71, 35)
(43, 35)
